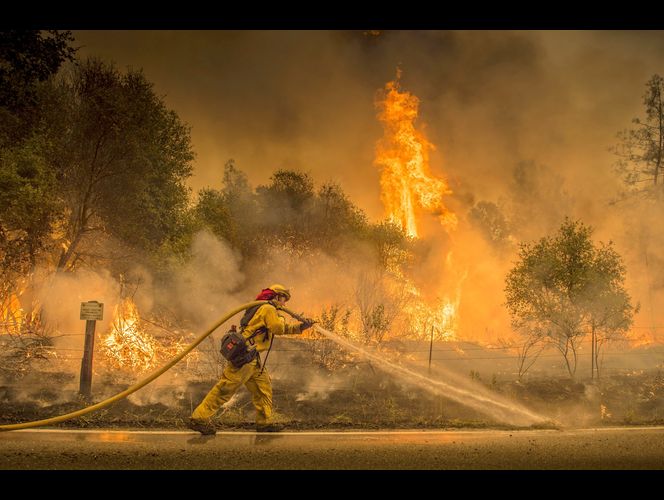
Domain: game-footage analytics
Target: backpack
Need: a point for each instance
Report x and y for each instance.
(234, 346)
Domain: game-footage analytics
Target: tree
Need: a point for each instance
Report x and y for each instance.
(610, 311)
(528, 350)
(335, 220)
(640, 156)
(29, 204)
(561, 288)
(213, 212)
(27, 58)
(390, 243)
(297, 218)
(285, 212)
(289, 191)
(28, 207)
(121, 157)
(285, 205)
(230, 213)
(641, 149)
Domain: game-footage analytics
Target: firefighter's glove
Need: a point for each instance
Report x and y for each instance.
(307, 323)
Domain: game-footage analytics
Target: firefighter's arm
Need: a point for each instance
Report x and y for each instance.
(277, 324)
(274, 323)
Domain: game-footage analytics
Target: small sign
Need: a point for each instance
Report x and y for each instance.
(92, 310)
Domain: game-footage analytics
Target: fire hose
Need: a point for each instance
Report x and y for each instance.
(145, 381)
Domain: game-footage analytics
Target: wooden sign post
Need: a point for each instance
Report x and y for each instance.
(91, 311)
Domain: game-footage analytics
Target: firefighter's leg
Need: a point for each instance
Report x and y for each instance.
(260, 386)
(231, 379)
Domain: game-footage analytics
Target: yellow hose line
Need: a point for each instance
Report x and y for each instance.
(142, 383)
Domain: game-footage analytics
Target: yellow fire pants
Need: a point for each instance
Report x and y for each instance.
(259, 385)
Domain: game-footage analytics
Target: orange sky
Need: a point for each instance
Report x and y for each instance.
(488, 100)
(305, 99)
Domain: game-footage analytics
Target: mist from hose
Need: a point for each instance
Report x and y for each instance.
(498, 408)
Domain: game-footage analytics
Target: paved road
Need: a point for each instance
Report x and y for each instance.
(605, 448)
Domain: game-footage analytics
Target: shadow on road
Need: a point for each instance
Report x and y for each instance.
(200, 439)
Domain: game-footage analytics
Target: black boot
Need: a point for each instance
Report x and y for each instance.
(205, 428)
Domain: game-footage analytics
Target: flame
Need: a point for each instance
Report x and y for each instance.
(128, 345)
(11, 314)
(14, 319)
(403, 153)
(442, 316)
(641, 339)
(409, 189)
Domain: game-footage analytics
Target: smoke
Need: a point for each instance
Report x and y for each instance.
(170, 390)
(215, 279)
(315, 386)
(546, 103)
(61, 297)
(641, 242)
(205, 286)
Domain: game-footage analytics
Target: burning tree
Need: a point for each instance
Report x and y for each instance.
(565, 287)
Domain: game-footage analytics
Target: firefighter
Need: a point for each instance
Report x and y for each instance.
(262, 324)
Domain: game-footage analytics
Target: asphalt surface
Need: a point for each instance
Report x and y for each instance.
(604, 448)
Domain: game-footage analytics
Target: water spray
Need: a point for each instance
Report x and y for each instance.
(489, 405)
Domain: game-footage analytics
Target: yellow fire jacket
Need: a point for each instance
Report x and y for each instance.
(268, 319)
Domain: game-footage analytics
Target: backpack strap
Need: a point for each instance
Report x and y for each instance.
(248, 315)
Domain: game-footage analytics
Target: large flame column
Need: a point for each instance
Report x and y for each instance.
(403, 156)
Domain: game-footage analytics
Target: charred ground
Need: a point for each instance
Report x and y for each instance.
(341, 392)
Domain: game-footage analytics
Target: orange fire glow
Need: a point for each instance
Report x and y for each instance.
(11, 315)
(642, 338)
(128, 345)
(408, 190)
(403, 155)
(441, 318)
